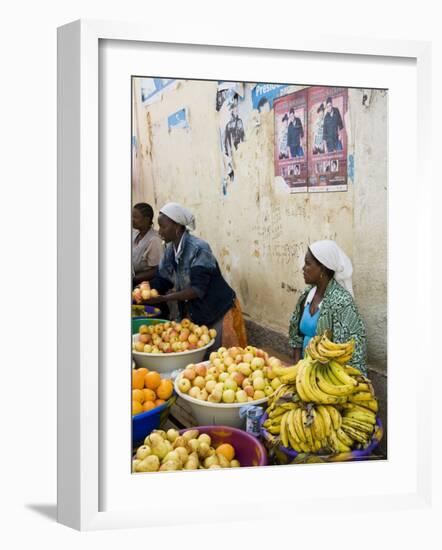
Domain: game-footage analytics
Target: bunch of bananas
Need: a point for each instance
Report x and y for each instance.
(323, 406)
(322, 349)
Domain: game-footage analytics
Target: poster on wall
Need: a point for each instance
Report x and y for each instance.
(151, 89)
(230, 100)
(264, 94)
(327, 138)
(291, 140)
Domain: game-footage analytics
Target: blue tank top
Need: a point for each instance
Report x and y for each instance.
(308, 325)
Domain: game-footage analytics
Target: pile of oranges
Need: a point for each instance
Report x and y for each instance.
(149, 390)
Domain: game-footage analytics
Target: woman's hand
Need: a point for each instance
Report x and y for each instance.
(155, 300)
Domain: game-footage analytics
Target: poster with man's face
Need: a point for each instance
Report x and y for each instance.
(327, 138)
(291, 140)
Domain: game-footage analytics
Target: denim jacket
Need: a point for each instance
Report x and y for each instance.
(195, 267)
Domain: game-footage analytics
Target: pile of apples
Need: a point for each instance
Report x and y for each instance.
(143, 292)
(165, 451)
(173, 337)
(233, 375)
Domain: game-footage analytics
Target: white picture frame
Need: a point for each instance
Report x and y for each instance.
(79, 271)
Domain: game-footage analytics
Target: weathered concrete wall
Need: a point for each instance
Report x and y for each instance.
(259, 232)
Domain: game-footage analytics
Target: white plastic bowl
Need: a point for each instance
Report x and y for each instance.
(168, 362)
(207, 414)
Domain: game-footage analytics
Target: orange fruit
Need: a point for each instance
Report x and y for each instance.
(148, 406)
(137, 407)
(152, 380)
(149, 395)
(159, 402)
(138, 395)
(165, 389)
(226, 450)
(143, 370)
(137, 380)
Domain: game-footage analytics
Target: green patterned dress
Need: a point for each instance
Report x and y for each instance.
(338, 314)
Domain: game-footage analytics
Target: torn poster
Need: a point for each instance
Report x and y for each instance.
(291, 140)
(151, 88)
(230, 104)
(327, 137)
(264, 94)
(178, 120)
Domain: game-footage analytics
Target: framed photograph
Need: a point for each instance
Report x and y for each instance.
(195, 130)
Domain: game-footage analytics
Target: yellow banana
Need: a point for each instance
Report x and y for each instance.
(372, 405)
(314, 352)
(346, 347)
(344, 438)
(358, 425)
(318, 426)
(359, 415)
(302, 387)
(341, 375)
(294, 441)
(297, 424)
(329, 376)
(337, 444)
(275, 430)
(336, 417)
(307, 430)
(283, 431)
(325, 352)
(320, 396)
(355, 434)
(326, 419)
(351, 370)
(360, 396)
(332, 389)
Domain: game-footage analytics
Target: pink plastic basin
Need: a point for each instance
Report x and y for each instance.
(248, 450)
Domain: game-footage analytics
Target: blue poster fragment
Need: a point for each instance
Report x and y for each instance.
(263, 94)
(150, 87)
(177, 120)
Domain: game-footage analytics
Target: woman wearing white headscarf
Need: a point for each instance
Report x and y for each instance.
(327, 303)
(189, 266)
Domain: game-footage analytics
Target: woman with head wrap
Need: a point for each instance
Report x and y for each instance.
(147, 246)
(327, 303)
(189, 266)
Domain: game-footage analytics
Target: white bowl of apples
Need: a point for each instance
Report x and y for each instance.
(169, 346)
(217, 389)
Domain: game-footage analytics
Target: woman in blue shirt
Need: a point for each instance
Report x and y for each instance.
(189, 266)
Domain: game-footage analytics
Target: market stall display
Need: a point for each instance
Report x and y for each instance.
(170, 345)
(152, 397)
(324, 407)
(143, 292)
(234, 377)
(203, 447)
